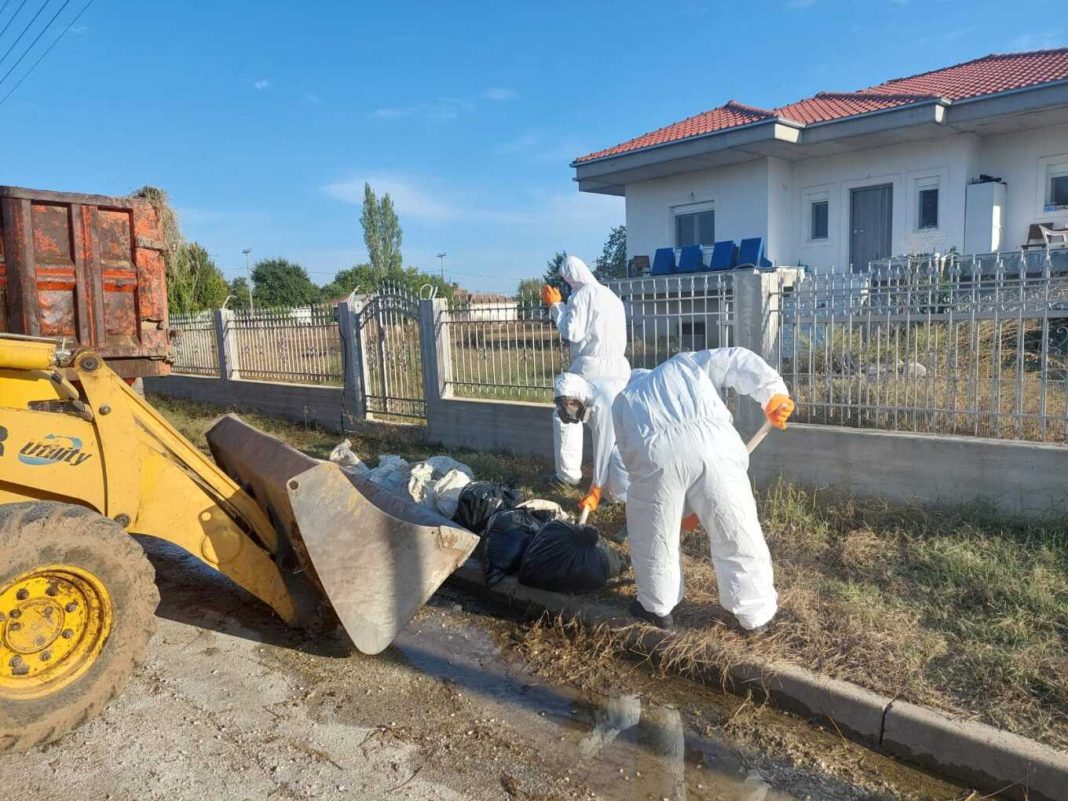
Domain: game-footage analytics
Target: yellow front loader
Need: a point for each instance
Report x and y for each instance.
(85, 462)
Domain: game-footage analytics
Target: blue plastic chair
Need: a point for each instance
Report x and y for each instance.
(723, 254)
(751, 253)
(663, 261)
(691, 260)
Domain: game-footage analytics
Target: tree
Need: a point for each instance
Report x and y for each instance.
(281, 283)
(552, 269)
(391, 234)
(613, 260)
(239, 294)
(382, 233)
(362, 279)
(530, 288)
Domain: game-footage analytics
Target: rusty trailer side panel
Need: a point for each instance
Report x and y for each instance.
(86, 267)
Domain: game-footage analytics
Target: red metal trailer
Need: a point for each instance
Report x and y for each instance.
(89, 268)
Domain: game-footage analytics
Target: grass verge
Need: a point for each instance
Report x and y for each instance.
(955, 608)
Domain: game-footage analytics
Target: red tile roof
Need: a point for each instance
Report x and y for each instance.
(984, 76)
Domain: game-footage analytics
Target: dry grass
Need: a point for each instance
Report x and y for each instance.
(955, 608)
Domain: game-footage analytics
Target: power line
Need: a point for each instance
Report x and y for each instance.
(45, 53)
(3, 8)
(34, 42)
(17, 10)
(25, 30)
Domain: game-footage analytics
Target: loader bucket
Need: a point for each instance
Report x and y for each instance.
(375, 557)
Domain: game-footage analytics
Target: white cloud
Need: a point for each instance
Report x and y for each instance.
(80, 29)
(498, 93)
(311, 97)
(520, 143)
(423, 200)
(261, 84)
(444, 108)
(1039, 40)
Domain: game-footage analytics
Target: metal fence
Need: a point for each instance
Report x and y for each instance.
(300, 345)
(509, 348)
(193, 344)
(671, 314)
(503, 348)
(974, 345)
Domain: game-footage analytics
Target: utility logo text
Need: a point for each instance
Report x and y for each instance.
(52, 449)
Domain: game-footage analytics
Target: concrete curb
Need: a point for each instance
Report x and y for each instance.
(975, 754)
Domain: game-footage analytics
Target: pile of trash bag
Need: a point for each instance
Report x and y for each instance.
(479, 500)
(568, 557)
(532, 538)
(435, 483)
(508, 533)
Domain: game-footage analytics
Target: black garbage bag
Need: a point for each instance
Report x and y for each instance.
(505, 541)
(567, 557)
(480, 499)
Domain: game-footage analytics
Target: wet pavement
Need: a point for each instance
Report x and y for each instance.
(232, 705)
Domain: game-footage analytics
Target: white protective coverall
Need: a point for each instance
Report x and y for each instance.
(681, 451)
(594, 322)
(598, 394)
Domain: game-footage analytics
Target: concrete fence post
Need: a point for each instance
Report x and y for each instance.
(756, 327)
(225, 345)
(437, 362)
(353, 394)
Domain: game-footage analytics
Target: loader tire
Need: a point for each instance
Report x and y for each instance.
(77, 609)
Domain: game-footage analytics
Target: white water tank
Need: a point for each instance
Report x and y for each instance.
(984, 208)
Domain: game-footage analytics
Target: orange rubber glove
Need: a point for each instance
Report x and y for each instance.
(550, 295)
(778, 410)
(690, 523)
(592, 499)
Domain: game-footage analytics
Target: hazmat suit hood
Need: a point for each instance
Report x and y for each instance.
(570, 385)
(576, 273)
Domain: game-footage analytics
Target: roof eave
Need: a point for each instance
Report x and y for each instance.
(582, 162)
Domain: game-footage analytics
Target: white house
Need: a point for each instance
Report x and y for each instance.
(842, 179)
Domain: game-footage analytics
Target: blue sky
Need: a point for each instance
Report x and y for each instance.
(263, 119)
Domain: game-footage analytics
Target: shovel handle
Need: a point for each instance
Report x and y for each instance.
(758, 437)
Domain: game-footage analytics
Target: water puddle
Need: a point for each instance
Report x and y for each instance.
(614, 746)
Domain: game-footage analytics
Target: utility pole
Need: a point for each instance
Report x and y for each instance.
(248, 272)
(441, 259)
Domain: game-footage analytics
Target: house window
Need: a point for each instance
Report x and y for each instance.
(927, 216)
(1057, 191)
(820, 219)
(695, 228)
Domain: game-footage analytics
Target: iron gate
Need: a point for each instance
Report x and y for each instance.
(388, 330)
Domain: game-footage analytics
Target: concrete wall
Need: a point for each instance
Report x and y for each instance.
(1016, 478)
(301, 403)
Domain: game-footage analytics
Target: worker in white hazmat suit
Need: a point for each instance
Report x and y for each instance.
(594, 322)
(580, 401)
(682, 452)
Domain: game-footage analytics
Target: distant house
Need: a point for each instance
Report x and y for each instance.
(970, 156)
(484, 307)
